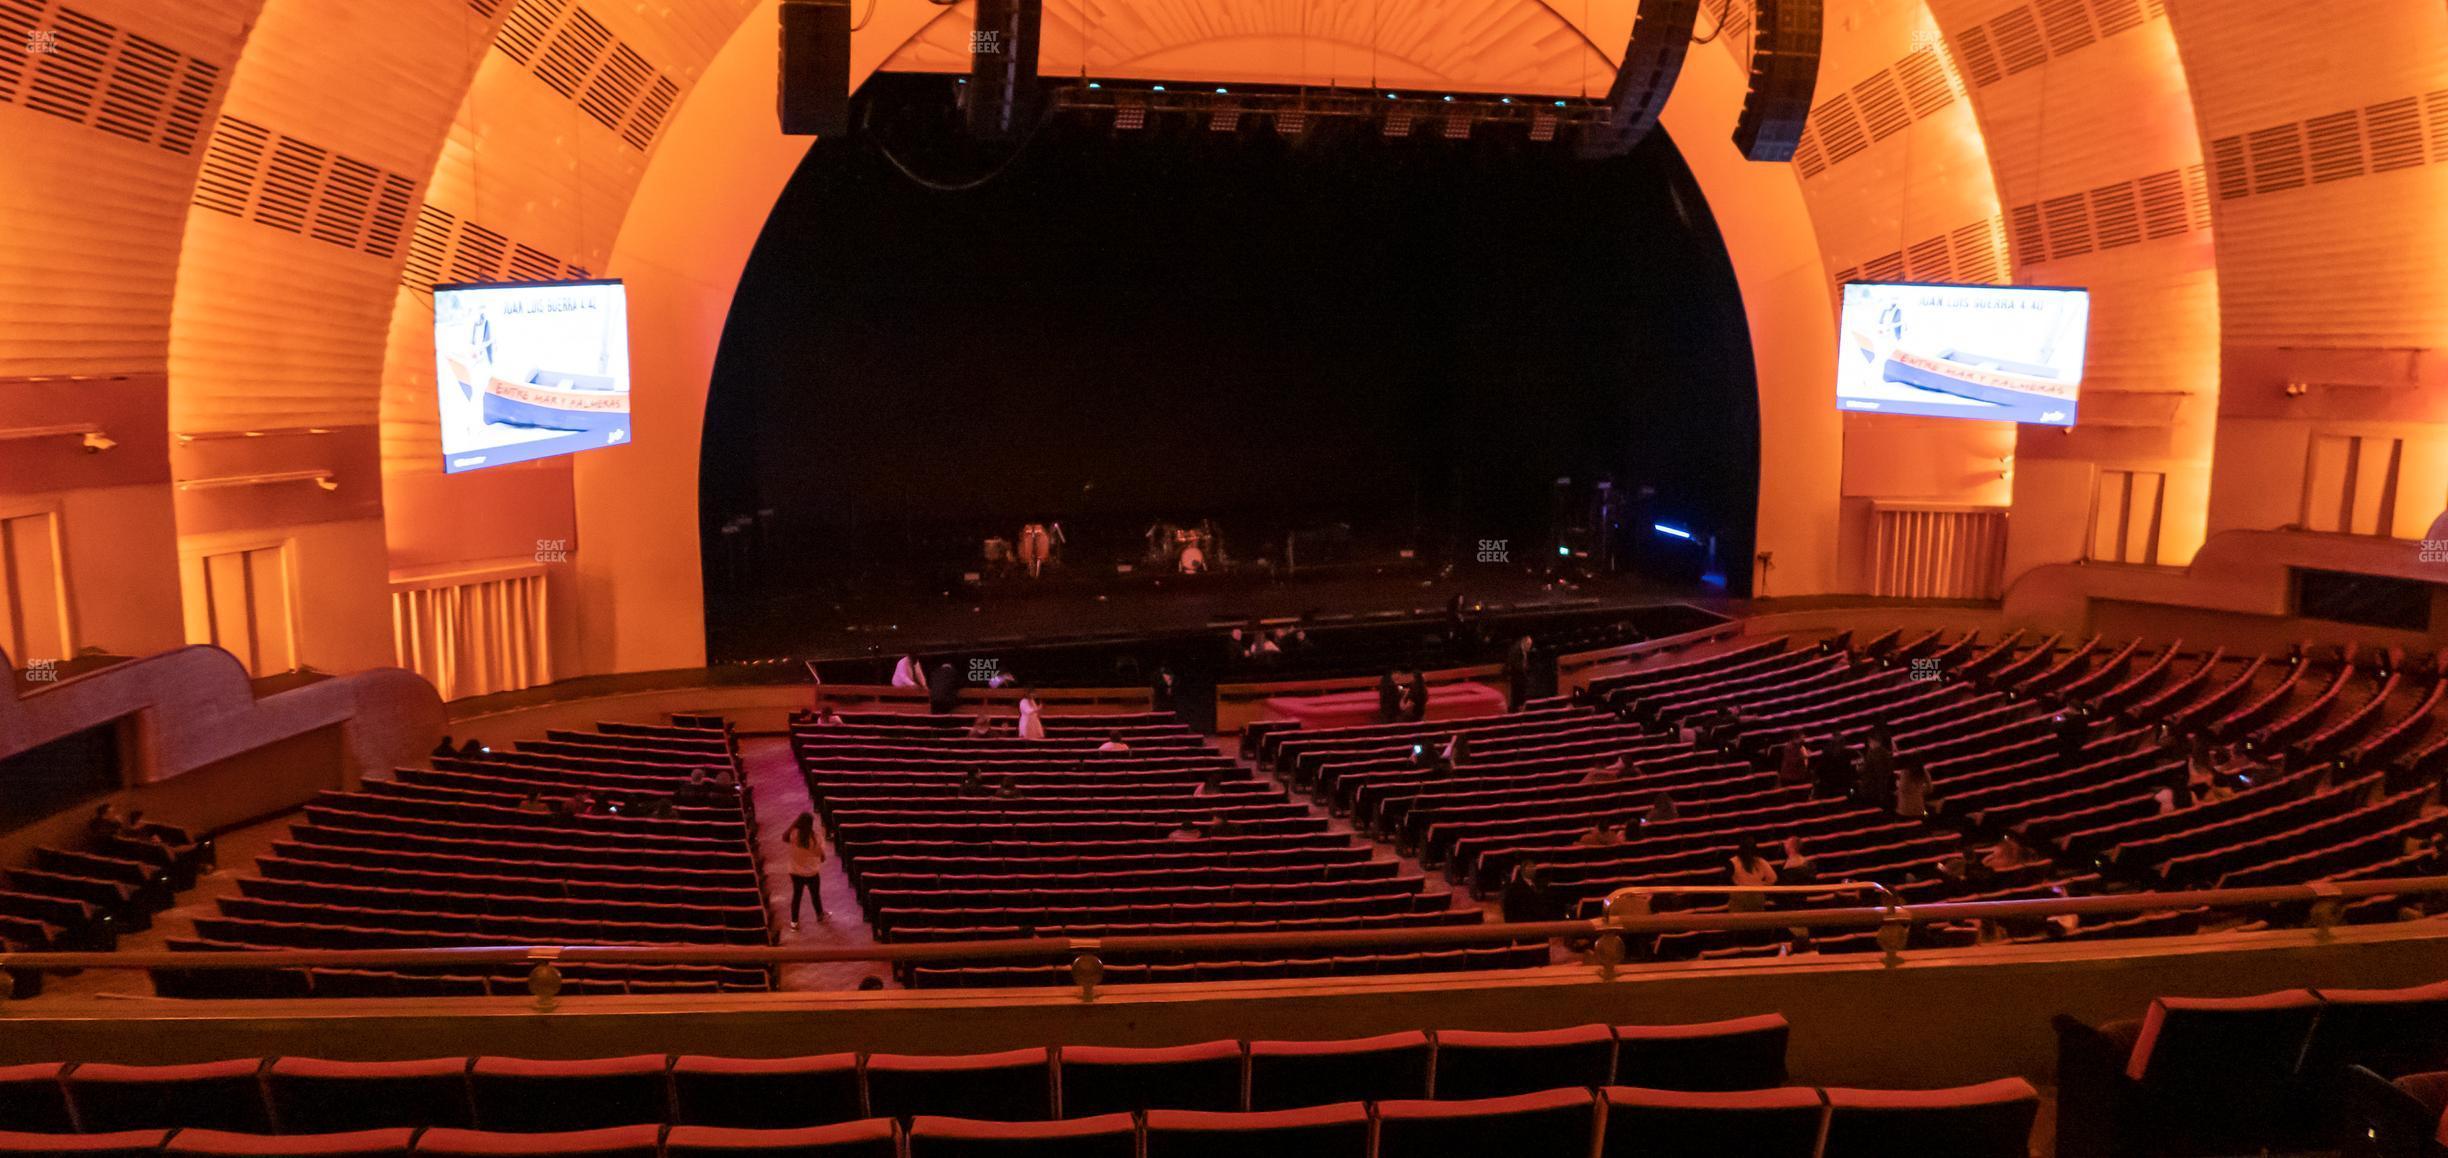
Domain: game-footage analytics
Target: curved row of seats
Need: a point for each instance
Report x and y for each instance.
(945, 836)
(1992, 1120)
(305, 1095)
(457, 856)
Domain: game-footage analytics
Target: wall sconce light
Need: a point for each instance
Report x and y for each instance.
(322, 479)
(93, 437)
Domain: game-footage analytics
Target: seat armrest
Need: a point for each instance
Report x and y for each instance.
(2093, 1097)
(2387, 1120)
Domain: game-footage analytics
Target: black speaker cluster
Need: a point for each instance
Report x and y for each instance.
(1784, 74)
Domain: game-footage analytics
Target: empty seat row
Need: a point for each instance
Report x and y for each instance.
(293, 1095)
(1992, 1120)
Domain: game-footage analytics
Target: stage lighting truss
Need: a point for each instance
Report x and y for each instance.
(1134, 107)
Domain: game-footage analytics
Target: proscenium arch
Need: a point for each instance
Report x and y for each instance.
(703, 204)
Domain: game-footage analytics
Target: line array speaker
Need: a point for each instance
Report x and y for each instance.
(1784, 76)
(814, 93)
(1004, 96)
(1661, 35)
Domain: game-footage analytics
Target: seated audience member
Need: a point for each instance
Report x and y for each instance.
(973, 783)
(1793, 765)
(981, 727)
(1662, 808)
(1603, 774)
(656, 808)
(1912, 789)
(572, 806)
(446, 749)
(1749, 869)
(699, 792)
(1210, 785)
(1457, 750)
(830, 717)
(870, 983)
(472, 749)
(1600, 834)
(1798, 868)
(1113, 743)
(533, 803)
(106, 823)
(1524, 897)
(1186, 830)
(943, 691)
(1220, 825)
(1006, 790)
(2010, 854)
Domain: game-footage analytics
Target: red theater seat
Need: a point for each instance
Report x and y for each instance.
(1475, 1064)
(312, 1096)
(391, 1143)
(1104, 1136)
(1778, 1123)
(1337, 1131)
(1286, 1075)
(219, 1095)
(1110, 1079)
(2402, 1118)
(1746, 1053)
(1991, 1120)
(2194, 1076)
(1548, 1122)
(117, 1144)
(33, 1098)
(766, 1093)
(640, 1141)
(519, 1095)
(869, 1138)
(1012, 1086)
(2388, 1031)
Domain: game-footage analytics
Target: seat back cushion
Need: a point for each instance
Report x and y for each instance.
(1775, 1123)
(1107, 1079)
(1991, 1120)
(1746, 1053)
(1336, 1131)
(1472, 1064)
(1547, 1122)
(1290, 1074)
(766, 1093)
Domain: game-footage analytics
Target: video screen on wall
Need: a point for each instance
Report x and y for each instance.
(530, 370)
(2003, 353)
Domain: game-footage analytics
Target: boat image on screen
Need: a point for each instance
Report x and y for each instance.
(530, 371)
(2003, 353)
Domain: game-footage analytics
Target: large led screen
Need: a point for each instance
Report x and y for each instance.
(530, 370)
(2005, 353)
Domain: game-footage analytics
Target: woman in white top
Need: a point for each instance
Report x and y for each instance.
(1032, 720)
(908, 674)
(806, 849)
(1750, 869)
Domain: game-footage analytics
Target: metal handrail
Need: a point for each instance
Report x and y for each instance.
(1085, 953)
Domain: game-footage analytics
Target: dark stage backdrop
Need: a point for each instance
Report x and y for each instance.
(1415, 338)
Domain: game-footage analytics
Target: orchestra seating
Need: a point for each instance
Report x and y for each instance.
(1219, 1098)
(83, 898)
(946, 836)
(469, 853)
(2061, 743)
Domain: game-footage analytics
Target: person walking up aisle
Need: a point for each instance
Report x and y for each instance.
(807, 858)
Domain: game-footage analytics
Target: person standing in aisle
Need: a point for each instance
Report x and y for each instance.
(806, 849)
